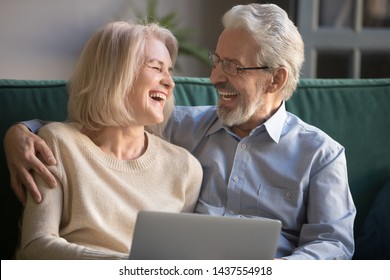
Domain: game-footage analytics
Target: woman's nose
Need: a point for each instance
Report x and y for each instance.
(168, 81)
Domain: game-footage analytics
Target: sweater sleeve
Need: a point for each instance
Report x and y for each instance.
(40, 238)
(40, 231)
(193, 184)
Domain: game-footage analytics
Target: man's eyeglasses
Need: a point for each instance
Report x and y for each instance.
(229, 67)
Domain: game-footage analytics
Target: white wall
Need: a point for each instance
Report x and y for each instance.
(42, 39)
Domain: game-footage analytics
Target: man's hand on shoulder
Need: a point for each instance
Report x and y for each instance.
(22, 148)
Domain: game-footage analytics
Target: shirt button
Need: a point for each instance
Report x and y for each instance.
(287, 194)
(243, 146)
(235, 179)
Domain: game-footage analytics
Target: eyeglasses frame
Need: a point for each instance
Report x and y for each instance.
(238, 68)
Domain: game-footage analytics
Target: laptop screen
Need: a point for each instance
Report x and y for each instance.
(186, 236)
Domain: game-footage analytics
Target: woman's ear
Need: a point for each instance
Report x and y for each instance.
(279, 80)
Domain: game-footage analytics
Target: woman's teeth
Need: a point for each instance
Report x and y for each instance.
(158, 96)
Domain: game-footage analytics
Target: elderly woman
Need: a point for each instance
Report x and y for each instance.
(111, 161)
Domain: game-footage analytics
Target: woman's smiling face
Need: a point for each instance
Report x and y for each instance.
(154, 85)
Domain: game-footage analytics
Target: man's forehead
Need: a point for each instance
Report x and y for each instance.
(236, 44)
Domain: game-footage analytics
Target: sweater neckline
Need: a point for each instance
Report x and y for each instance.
(141, 163)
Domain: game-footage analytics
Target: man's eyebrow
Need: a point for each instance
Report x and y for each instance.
(235, 61)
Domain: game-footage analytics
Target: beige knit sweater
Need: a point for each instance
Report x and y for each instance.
(92, 214)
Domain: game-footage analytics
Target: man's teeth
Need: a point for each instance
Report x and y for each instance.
(158, 96)
(227, 95)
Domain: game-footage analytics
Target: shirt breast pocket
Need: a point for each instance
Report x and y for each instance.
(281, 203)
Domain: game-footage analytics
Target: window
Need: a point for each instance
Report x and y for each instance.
(345, 38)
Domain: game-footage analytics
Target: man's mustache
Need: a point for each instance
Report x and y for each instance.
(225, 86)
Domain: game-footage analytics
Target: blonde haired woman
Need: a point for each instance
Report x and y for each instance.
(111, 162)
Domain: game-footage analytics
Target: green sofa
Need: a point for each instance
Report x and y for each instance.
(354, 112)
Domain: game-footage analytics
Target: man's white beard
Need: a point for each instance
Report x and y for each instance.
(241, 114)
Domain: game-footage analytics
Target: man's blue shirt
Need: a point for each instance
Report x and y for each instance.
(285, 169)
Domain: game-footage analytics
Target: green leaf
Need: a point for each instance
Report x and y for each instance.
(183, 35)
(151, 8)
(169, 20)
(194, 51)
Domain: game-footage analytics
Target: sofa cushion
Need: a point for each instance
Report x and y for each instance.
(373, 240)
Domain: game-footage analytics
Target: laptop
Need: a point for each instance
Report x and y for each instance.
(188, 236)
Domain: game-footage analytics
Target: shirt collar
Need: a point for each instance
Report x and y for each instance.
(275, 123)
(273, 126)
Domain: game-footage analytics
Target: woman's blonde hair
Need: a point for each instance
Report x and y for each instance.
(105, 74)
